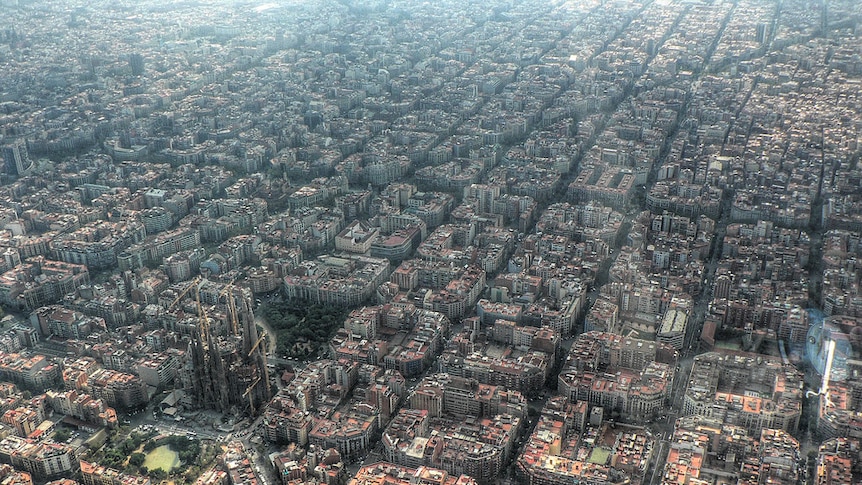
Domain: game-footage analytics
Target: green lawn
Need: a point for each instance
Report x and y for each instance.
(731, 345)
(599, 456)
(162, 457)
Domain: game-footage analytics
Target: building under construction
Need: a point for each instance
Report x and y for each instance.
(225, 367)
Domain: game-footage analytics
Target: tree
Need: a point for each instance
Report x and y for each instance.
(309, 325)
(128, 446)
(137, 459)
(61, 435)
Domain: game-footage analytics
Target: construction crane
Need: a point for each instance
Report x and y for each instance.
(231, 307)
(250, 397)
(194, 283)
(185, 291)
(203, 318)
(253, 347)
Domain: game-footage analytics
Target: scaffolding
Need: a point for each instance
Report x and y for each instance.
(229, 372)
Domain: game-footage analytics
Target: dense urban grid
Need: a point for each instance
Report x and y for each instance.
(385, 242)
